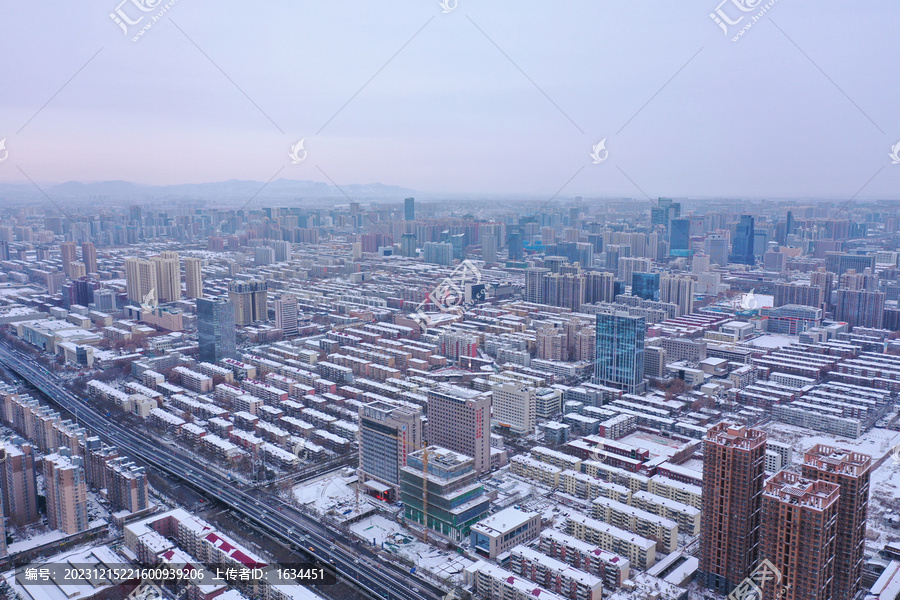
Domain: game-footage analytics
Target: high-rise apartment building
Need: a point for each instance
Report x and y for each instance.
(215, 329)
(89, 257)
(387, 434)
(66, 493)
(733, 476)
(140, 279)
(851, 471)
(408, 245)
(552, 343)
(700, 263)
(620, 351)
(563, 290)
(824, 280)
(792, 293)
(628, 266)
(67, 252)
(409, 209)
(438, 253)
(18, 483)
(127, 485)
(716, 246)
(263, 255)
(534, 284)
(600, 286)
(287, 317)
(3, 549)
(514, 406)
(193, 277)
(678, 290)
(77, 270)
(250, 300)
(799, 526)
(460, 419)
(283, 250)
(860, 308)
(168, 276)
(489, 248)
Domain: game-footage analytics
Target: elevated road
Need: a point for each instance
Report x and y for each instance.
(358, 565)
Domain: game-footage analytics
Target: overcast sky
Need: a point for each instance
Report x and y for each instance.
(491, 97)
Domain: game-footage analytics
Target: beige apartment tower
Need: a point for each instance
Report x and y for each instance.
(168, 276)
(66, 492)
(193, 277)
(140, 279)
(18, 483)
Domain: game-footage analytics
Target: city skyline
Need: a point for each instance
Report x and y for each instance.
(449, 300)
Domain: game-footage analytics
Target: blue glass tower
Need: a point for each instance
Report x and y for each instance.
(620, 351)
(645, 285)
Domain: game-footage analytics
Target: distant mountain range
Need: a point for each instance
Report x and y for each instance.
(233, 190)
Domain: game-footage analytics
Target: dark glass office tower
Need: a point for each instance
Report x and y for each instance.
(645, 285)
(742, 244)
(215, 329)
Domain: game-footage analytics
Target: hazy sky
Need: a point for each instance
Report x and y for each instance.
(450, 112)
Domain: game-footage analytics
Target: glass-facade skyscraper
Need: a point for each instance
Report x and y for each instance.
(742, 243)
(645, 285)
(514, 244)
(680, 237)
(215, 329)
(620, 351)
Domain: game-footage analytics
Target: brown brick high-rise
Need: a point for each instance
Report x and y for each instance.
(800, 519)
(733, 477)
(851, 471)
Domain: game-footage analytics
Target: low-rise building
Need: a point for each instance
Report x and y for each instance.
(504, 530)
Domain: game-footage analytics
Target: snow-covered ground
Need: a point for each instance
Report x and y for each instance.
(657, 445)
(774, 340)
(400, 542)
(331, 492)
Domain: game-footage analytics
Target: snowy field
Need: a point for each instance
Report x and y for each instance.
(398, 541)
(656, 444)
(331, 492)
(772, 340)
